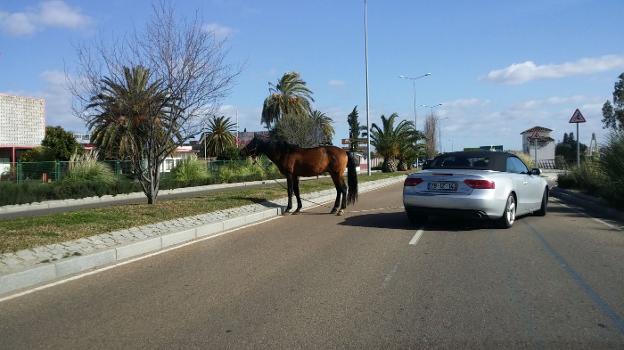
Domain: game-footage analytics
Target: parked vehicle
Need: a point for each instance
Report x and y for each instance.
(476, 184)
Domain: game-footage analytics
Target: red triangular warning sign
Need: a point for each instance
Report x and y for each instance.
(535, 135)
(577, 117)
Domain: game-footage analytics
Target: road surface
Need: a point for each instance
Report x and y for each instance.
(365, 280)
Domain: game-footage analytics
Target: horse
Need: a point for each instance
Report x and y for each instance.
(293, 162)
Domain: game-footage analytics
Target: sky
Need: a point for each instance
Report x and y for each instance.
(497, 67)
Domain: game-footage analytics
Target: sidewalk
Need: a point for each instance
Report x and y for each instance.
(31, 267)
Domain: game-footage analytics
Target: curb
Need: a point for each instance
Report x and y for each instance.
(587, 202)
(50, 271)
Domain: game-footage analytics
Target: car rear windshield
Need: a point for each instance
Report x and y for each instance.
(461, 162)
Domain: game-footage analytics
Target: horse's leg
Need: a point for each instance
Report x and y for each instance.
(338, 192)
(289, 188)
(296, 190)
(343, 190)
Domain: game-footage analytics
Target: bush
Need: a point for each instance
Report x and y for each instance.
(612, 163)
(86, 168)
(566, 181)
(190, 170)
(590, 177)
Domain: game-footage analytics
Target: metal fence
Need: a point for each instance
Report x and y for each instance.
(51, 171)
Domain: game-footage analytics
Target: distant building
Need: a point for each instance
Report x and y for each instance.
(545, 144)
(180, 153)
(22, 125)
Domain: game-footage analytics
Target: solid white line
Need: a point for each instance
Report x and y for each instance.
(589, 216)
(416, 237)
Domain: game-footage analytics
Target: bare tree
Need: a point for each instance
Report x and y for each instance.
(431, 126)
(186, 62)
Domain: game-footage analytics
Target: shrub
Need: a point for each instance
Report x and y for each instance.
(190, 170)
(86, 168)
(612, 163)
(566, 181)
(589, 177)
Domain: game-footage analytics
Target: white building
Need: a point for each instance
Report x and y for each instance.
(545, 145)
(180, 153)
(22, 125)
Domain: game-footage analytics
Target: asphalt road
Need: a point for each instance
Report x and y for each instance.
(319, 281)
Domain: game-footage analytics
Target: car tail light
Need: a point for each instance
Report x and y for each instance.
(412, 181)
(480, 184)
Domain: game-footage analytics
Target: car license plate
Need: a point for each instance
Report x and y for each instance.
(442, 186)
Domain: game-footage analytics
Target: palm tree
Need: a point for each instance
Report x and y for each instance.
(130, 116)
(289, 96)
(219, 136)
(122, 109)
(388, 139)
(323, 123)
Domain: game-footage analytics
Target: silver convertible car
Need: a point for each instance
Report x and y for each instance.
(478, 184)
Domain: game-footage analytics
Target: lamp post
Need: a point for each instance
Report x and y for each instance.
(413, 79)
(368, 149)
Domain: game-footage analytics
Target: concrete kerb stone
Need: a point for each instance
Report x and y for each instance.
(50, 271)
(178, 237)
(83, 263)
(27, 278)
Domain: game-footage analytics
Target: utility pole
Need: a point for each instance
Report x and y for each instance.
(368, 150)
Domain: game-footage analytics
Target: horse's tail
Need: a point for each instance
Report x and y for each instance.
(352, 180)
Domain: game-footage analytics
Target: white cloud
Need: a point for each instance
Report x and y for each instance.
(58, 101)
(465, 103)
(53, 13)
(335, 82)
(218, 30)
(519, 73)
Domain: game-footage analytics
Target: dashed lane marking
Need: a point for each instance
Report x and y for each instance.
(416, 237)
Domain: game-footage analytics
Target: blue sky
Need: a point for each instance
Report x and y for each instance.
(498, 67)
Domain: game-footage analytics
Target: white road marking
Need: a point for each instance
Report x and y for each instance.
(389, 276)
(416, 237)
(374, 209)
(614, 227)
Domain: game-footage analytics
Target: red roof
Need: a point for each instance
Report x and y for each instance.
(536, 128)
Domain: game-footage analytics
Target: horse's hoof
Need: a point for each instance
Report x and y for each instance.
(333, 211)
(287, 212)
(340, 213)
(296, 212)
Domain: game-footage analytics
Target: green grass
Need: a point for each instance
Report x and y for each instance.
(24, 233)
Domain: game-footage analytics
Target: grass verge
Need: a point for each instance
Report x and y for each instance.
(24, 233)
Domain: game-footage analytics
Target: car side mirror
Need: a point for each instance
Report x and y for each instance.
(535, 171)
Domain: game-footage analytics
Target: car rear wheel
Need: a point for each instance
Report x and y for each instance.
(509, 215)
(544, 208)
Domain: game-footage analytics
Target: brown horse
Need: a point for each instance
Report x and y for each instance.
(293, 162)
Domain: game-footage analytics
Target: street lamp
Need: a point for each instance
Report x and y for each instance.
(368, 149)
(413, 79)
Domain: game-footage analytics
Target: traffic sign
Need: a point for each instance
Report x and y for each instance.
(577, 117)
(535, 135)
(348, 141)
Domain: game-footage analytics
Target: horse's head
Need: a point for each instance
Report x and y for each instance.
(253, 148)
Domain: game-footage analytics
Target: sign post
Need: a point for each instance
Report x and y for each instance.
(535, 136)
(577, 118)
